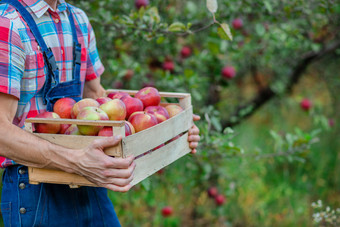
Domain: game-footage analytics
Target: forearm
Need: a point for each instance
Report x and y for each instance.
(27, 149)
(93, 89)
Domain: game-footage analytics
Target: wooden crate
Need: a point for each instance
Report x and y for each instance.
(139, 144)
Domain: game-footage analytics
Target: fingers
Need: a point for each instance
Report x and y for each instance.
(106, 142)
(119, 163)
(196, 117)
(194, 130)
(117, 188)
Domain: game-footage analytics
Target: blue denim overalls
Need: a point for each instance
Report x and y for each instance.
(23, 204)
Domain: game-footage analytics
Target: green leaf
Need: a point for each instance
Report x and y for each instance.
(177, 27)
(212, 5)
(224, 32)
(153, 12)
(260, 30)
(268, 6)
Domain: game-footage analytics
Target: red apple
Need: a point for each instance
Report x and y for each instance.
(115, 109)
(156, 148)
(81, 104)
(129, 74)
(306, 104)
(219, 200)
(331, 122)
(72, 130)
(63, 107)
(169, 65)
(167, 211)
(135, 113)
(117, 95)
(159, 112)
(237, 23)
(228, 72)
(141, 3)
(102, 100)
(173, 139)
(132, 105)
(185, 52)
(118, 84)
(129, 129)
(45, 127)
(212, 192)
(63, 128)
(149, 96)
(94, 114)
(106, 131)
(142, 121)
(173, 109)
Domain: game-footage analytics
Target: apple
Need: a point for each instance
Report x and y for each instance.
(132, 105)
(72, 130)
(212, 192)
(219, 200)
(117, 95)
(141, 3)
(135, 113)
(306, 104)
(168, 65)
(81, 104)
(118, 84)
(173, 139)
(94, 114)
(159, 112)
(173, 109)
(331, 122)
(237, 23)
(102, 100)
(186, 52)
(129, 129)
(47, 127)
(167, 211)
(228, 72)
(106, 131)
(161, 171)
(129, 74)
(115, 109)
(156, 148)
(142, 121)
(63, 128)
(149, 96)
(63, 107)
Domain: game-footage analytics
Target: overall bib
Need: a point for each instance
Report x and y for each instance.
(23, 204)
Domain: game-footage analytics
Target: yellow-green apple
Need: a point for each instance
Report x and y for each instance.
(94, 114)
(159, 112)
(149, 96)
(173, 109)
(102, 100)
(129, 129)
(47, 127)
(81, 104)
(117, 94)
(63, 107)
(115, 109)
(63, 128)
(72, 130)
(142, 121)
(132, 105)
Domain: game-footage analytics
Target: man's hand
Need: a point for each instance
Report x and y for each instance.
(193, 137)
(105, 171)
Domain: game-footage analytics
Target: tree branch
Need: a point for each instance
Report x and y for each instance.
(248, 109)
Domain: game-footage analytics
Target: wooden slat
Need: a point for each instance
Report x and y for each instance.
(56, 177)
(162, 94)
(75, 121)
(154, 161)
(78, 142)
(150, 138)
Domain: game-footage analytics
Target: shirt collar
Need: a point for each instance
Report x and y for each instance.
(39, 7)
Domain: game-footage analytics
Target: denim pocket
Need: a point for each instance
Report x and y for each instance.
(6, 213)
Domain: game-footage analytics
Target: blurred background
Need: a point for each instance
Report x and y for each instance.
(268, 99)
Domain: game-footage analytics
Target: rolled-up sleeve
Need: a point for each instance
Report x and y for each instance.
(12, 58)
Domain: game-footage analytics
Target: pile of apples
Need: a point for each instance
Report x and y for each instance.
(141, 111)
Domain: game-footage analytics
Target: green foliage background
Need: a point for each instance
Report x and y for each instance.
(270, 167)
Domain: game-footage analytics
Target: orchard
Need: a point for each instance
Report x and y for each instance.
(263, 76)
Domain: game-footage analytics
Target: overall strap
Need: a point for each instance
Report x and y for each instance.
(76, 47)
(48, 54)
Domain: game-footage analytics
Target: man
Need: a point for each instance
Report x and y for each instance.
(31, 77)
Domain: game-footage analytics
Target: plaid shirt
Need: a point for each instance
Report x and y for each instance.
(22, 71)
